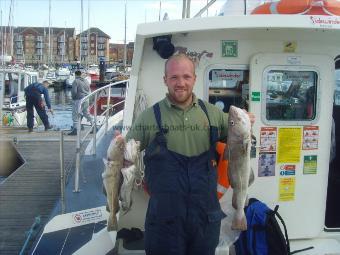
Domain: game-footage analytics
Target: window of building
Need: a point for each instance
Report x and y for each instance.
(290, 95)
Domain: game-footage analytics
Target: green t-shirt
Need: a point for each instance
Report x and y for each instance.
(188, 129)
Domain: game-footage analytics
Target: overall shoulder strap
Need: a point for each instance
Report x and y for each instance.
(212, 130)
(158, 116)
(204, 108)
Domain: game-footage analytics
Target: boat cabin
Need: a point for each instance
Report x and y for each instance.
(12, 85)
(281, 68)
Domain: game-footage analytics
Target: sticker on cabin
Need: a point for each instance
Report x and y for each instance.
(287, 170)
(325, 21)
(268, 139)
(229, 79)
(256, 96)
(229, 48)
(310, 137)
(289, 145)
(294, 60)
(310, 163)
(287, 189)
(266, 164)
(87, 216)
(195, 56)
(289, 47)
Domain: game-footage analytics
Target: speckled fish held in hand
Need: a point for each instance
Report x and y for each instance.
(238, 153)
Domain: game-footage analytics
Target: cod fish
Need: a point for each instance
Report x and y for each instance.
(240, 174)
(131, 157)
(112, 178)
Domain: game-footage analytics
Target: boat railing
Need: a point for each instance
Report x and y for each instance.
(81, 139)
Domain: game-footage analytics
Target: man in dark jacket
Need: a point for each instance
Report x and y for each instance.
(80, 89)
(33, 94)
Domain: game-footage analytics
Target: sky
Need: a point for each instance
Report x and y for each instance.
(107, 15)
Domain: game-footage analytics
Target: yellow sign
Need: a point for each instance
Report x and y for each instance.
(289, 46)
(289, 145)
(287, 189)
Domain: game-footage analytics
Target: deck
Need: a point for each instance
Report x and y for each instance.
(33, 189)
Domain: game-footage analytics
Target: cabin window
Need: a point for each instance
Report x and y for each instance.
(34, 79)
(290, 95)
(228, 87)
(22, 83)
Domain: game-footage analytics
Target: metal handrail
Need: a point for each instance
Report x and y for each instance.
(80, 140)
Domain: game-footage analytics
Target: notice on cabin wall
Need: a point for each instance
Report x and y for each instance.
(268, 139)
(310, 137)
(287, 170)
(310, 164)
(266, 164)
(289, 145)
(229, 48)
(287, 189)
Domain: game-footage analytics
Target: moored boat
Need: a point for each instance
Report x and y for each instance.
(12, 95)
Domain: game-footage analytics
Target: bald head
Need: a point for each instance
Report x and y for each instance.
(178, 58)
(46, 83)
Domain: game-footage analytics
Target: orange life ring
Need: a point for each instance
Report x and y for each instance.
(306, 7)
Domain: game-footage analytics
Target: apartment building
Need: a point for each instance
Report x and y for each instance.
(38, 45)
(55, 46)
(92, 45)
(117, 53)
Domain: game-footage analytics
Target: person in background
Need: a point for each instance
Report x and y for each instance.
(80, 89)
(179, 134)
(33, 94)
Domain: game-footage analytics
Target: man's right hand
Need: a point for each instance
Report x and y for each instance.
(51, 111)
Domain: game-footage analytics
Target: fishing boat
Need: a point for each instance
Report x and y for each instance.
(280, 67)
(12, 95)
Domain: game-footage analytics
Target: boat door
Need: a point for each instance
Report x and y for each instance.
(292, 97)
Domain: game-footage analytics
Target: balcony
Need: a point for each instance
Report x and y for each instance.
(39, 46)
(101, 46)
(101, 39)
(40, 38)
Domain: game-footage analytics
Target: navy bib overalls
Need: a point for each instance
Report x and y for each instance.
(183, 215)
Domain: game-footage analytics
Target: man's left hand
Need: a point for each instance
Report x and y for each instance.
(251, 117)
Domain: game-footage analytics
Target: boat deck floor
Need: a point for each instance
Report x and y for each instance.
(33, 189)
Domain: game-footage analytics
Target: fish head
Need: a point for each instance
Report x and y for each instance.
(116, 148)
(239, 125)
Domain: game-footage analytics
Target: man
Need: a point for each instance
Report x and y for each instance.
(33, 94)
(179, 135)
(80, 89)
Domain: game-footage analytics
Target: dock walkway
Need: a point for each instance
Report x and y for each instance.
(33, 189)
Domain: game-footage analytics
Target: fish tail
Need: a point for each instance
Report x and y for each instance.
(239, 221)
(112, 222)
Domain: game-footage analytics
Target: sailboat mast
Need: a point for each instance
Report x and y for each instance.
(64, 46)
(2, 43)
(125, 38)
(88, 33)
(81, 30)
(49, 35)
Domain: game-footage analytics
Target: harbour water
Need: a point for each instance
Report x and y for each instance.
(61, 102)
